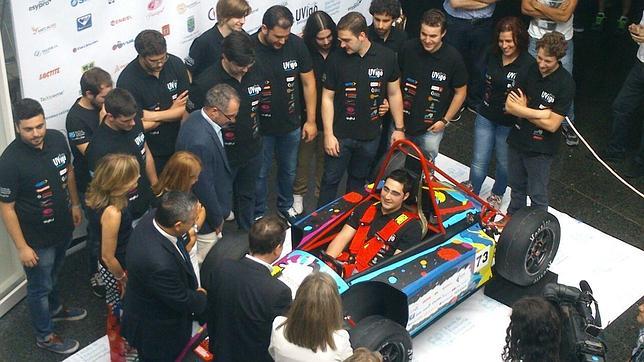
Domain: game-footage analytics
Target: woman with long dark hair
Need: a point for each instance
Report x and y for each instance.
(508, 58)
(312, 329)
(534, 333)
(107, 196)
(320, 36)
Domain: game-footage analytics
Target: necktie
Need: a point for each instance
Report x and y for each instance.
(182, 241)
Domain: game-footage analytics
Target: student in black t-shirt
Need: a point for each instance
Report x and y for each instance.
(357, 81)
(122, 132)
(287, 64)
(541, 102)
(206, 48)
(39, 206)
(242, 139)
(382, 30)
(508, 59)
(434, 83)
(159, 82)
(320, 36)
(81, 123)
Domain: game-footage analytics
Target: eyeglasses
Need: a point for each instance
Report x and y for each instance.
(230, 117)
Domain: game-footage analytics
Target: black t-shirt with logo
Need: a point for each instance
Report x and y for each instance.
(107, 140)
(242, 140)
(36, 180)
(555, 92)
(499, 79)
(280, 107)
(360, 86)
(319, 67)
(204, 51)
(394, 41)
(156, 94)
(428, 81)
(81, 123)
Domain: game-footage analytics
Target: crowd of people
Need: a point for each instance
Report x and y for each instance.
(160, 161)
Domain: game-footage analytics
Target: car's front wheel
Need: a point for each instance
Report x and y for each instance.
(378, 333)
(527, 246)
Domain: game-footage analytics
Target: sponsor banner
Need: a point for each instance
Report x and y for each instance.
(56, 41)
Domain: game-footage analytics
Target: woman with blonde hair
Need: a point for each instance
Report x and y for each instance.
(312, 329)
(107, 198)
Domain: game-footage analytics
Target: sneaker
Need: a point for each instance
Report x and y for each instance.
(570, 136)
(622, 22)
(634, 170)
(289, 215)
(495, 201)
(68, 314)
(58, 345)
(599, 21)
(97, 285)
(298, 203)
(230, 216)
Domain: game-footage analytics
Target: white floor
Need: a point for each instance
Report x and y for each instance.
(475, 330)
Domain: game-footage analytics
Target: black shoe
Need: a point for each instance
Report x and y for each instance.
(634, 170)
(571, 137)
(97, 285)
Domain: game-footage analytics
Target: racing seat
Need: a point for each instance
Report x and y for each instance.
(417, 200)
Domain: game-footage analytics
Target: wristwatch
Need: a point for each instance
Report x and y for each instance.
(401, 129)
(444, 121)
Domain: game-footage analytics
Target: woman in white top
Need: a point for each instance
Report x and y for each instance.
(312, 329)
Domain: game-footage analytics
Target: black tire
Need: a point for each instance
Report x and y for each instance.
(378, 333)
(527, 246)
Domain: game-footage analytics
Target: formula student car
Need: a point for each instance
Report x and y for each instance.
(388, 302)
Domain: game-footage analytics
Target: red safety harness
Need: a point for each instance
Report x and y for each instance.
(364, 253)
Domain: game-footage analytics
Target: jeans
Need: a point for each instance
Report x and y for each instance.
(528, 175)
(489, 136)
(471, 38)
(355, 158)
(309, 152)
(566, 62)
(42, 288)
(428, 143)
(245, 174)
(285, 147)
(628, 100)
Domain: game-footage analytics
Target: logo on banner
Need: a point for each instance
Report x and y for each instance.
(74, 50)
(155, 7)
(51, 96)
(84, 22)
(41, 29)
(45, 51)
(88, 66)
(111, 1)
(77, 2)
(165, 30)
(212, 15)
(190, 23)
(120, 44)
(355, 5)
(182, 7)
(115, 22)
(304, 12)
(49, 73)
(39, 5)
(119, 67)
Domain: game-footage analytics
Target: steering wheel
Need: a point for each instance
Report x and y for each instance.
(334, 263)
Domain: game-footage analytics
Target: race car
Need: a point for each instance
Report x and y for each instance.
(388, 302)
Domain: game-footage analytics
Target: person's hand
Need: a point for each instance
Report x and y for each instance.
(640, 315)
(77, 215)
(192, 239)
(203, 291)
(28, 257)
(636, 33)
(397, 135)
(181, 100)
(383, 108)
(438, 126)
(309, 131)
(102, 113)
(331, 146)
(518, 97)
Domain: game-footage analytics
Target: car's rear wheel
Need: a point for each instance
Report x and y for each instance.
(378, 333)
(527, 246)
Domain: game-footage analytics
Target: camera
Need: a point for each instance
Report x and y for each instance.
(580, 327)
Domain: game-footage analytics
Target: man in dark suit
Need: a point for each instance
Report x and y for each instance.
(204, 133)
(162, 293)
(244, 297)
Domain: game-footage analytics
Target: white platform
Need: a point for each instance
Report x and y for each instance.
(475, 329)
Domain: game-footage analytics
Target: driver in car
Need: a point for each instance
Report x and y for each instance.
(376, 231)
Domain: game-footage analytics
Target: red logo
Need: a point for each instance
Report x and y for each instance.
(154, 4)
(49, 73)
(165, 30)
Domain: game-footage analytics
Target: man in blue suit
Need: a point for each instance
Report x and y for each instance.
(204, 134)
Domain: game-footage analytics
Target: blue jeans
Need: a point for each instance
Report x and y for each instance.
(355, 158)
(489, 136)
(626, 103)
(42, 288)
(566, 62)
(528, 175)
(245, 175)
(428, 143)
(285, 147)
